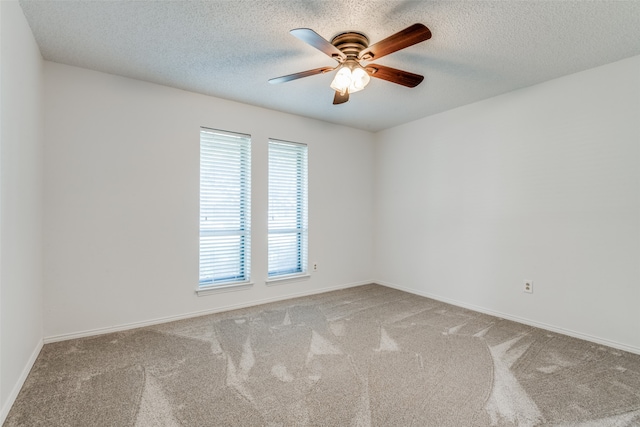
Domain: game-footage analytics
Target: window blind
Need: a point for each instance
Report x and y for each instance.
(287, 244)
(225, 207)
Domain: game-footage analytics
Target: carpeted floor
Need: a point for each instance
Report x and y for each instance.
(365, 356)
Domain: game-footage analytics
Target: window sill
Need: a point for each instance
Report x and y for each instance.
(217, 289)
(280, 280)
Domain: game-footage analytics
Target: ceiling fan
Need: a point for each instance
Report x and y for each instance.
(350, 49)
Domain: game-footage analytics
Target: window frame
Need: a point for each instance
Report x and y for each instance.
(301, 228)
(228, 222)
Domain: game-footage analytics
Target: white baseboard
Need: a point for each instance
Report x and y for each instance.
(134, 325)
(18, 385)
(580, 335)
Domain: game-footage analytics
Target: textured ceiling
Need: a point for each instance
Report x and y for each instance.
(229, 49)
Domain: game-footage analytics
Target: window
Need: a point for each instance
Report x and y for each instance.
(225, 207)
(287, 208)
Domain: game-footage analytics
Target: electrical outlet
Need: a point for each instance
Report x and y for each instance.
(528, 286)
(315, 266)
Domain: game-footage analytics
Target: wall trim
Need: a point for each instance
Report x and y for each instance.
(18, 385)
(541, 325)
(141, 324)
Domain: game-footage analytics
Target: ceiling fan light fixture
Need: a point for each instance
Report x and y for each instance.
(359, 79)
(351, 47)
(350, 77)
(342, 80)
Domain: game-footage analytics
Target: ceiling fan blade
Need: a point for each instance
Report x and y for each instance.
(393, 75)
(300, 75)
(339, 98)
(408, 37)
(309, 36)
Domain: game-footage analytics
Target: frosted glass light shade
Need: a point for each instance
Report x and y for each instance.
(351, 78)
(359, 79)
(342, 80)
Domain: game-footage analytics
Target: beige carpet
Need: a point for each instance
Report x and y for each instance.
(366, 356)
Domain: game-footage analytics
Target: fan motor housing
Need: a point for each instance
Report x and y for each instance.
(350, 43)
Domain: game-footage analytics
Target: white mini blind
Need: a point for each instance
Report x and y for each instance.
(287, 208)
(225, 207)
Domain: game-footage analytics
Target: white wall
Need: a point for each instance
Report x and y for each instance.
(539, 184)
(542, 184)
(121, 201)
(20, 202)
